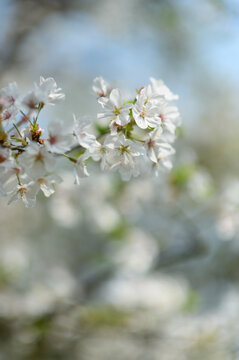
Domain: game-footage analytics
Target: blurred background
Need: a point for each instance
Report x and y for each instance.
(143, 270)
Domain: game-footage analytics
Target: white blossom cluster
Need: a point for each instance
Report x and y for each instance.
(130, 135)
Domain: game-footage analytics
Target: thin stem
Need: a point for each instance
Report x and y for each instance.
(70, 158)
(40, 107)
(26, 117)
(18, 179)
(19, 123)
(15, 126)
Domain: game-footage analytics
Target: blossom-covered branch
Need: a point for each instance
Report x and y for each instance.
(132, 136)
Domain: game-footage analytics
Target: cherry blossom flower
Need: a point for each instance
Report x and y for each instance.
(161, 89)
(123, 156)
(45, 93)
(169, 116)
(146, 113)
(165, 151)
(99, 152)
(115, 111)
(9, 178)
(8, 114)
(81, 132)
(8, 95)
(46, 184)
(101, 87)
(36, 160)
(153, 144)
(25, 192)
(8, 103)
(58, 141)
(81, 169)
(149, 94)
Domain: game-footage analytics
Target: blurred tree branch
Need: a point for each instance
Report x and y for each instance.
(28, 15)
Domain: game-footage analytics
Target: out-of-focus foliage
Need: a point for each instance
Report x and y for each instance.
(139, 270)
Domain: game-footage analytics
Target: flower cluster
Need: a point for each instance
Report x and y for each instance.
(131, 136)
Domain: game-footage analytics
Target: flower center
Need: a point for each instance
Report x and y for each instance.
(32, 104)
(151, 143)
(143, 113)
(41, 180)
(39, 157)
(6, 115)
(124, 149)
(22, 190)
(101, 93)
(52, 140)
(116, 110)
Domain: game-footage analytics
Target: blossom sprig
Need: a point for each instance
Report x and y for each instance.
(131, 135)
